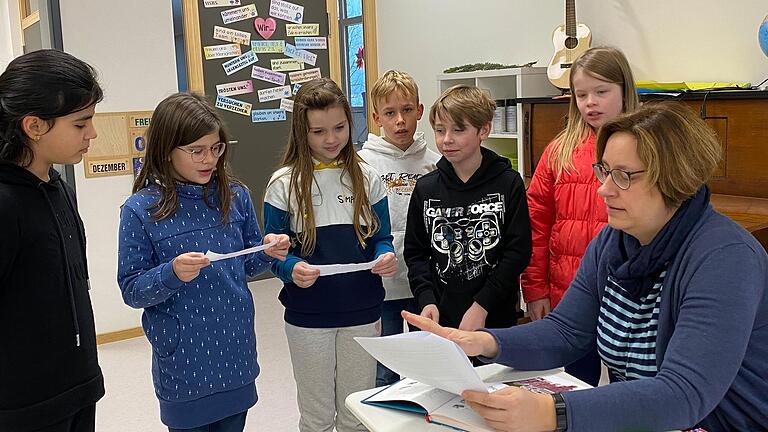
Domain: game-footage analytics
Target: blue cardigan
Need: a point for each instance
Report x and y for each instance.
(202, 332)
(711, 348)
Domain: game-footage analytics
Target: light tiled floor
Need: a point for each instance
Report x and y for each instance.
(130, 404)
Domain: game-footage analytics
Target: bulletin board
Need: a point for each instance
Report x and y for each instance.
(255, 55)
(120, 145)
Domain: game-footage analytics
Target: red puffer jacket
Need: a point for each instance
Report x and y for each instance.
(565, 215)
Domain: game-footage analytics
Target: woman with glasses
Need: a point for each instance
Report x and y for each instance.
(198, 315)
(672, 293)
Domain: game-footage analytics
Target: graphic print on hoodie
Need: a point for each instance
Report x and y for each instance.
(464, 237)
(399, 170)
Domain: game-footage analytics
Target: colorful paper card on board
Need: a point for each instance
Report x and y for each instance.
(268, 115)
(304, 76)
(302, 29)
(239, 14)
(268, 46)
(286, 11)
(235, 88)
(274, 93)
(303, 55)
(222, 51)
(220, 3)
(285, 65)
(267, 75)
(307, 43)
(231, 35)
(286, 104)
(236, 64)
(233, 105)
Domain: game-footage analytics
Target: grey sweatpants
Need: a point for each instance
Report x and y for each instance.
(328, 366)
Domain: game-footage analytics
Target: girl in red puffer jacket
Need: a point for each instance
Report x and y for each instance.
(565, 210)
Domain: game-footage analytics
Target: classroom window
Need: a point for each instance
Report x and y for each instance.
(353, 64)
(31, 30)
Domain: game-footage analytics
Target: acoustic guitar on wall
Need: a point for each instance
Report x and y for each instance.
(570, 40)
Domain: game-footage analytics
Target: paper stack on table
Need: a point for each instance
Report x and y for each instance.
(426, 358)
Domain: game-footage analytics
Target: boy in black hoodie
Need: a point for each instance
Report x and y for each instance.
(50, 378)
(468, 236)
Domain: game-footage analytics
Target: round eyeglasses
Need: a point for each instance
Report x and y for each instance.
(198, 154)
(621, 178)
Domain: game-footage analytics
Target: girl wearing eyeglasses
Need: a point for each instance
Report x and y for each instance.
(565, 211)
(198, 315)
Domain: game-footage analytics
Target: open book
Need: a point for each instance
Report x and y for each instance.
(438, 371)
(448, 409)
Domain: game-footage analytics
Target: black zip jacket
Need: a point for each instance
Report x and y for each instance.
(469, 242)
(48, 364)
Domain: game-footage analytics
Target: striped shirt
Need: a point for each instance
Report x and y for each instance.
(626, 331)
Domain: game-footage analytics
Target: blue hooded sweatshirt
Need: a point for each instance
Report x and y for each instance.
(202, 332)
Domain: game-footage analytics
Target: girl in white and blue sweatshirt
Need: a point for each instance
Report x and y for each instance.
(334, 208)
(198, 315)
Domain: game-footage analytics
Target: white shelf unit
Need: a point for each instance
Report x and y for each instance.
(515, 84)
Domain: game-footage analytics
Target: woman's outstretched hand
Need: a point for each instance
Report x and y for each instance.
(474, 343)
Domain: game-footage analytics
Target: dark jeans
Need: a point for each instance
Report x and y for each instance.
(392, 324)
(82, 421)
(587, 368)
(235, 423)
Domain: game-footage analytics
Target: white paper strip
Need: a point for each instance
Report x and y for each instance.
(332, 269)
(213, 256)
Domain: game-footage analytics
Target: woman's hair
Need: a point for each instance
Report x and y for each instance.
(603, 63)
(679, 151)
(463, 104)
(323, 94)
(179, 120)
(47, 84)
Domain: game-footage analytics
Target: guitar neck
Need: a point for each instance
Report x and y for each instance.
(570, 18)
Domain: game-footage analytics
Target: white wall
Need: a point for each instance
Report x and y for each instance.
(6, 48)
(130, 43)
(682, 40)
(693, 40)
(425, 37)
(10, 30)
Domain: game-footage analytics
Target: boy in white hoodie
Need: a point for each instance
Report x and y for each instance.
(401, 156)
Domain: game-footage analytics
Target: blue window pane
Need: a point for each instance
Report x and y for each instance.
(354, 8)
(356, 64)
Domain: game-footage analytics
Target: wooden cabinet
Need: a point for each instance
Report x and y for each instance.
(739, 118)
(541, 123)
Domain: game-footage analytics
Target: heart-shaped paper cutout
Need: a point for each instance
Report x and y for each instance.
(265, 27)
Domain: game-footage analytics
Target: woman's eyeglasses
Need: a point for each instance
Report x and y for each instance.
(198, 154)
(621, 178)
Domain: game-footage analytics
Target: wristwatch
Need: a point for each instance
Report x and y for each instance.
(561, 417)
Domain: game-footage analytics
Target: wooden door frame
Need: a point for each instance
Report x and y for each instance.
(192, 47)
(370, 57)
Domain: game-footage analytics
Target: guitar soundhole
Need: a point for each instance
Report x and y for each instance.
(571, 42)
